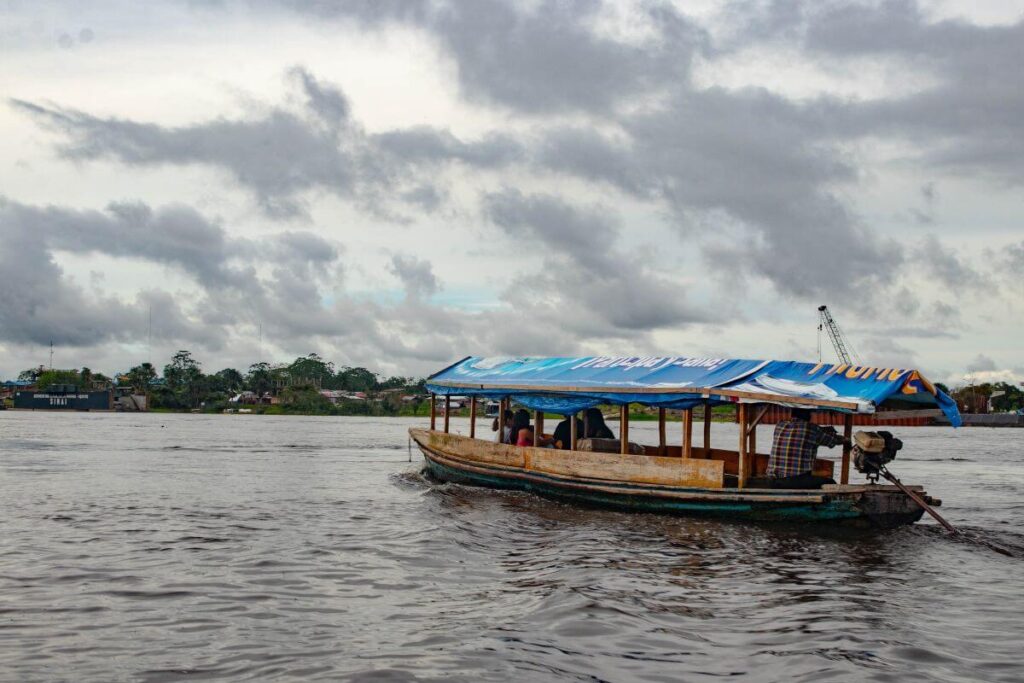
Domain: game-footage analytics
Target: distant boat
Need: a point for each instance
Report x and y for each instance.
(681, 479)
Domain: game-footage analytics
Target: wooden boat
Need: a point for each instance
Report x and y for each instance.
(679, 479)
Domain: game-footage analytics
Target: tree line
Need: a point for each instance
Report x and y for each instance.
(184, 386)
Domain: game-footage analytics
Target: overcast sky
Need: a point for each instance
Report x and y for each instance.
(399, 184)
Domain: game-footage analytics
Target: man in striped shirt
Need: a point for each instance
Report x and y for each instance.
(794, 448)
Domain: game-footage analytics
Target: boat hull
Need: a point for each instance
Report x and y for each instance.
(450, 459)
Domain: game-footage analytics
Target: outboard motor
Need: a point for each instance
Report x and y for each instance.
(872, 451)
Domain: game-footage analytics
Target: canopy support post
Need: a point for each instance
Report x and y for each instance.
(472, 417)
(661, 431)
(501, 420)
(707, 429)
(752, 435)
(573, 432)
(844, 477)
(447, 411)
(624, 428)
(742, 464)
(538, 425)
(688, 433)
(433, 412)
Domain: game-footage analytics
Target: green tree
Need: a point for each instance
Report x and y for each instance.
(184, 379)
(259, 379)
(356, 379)
(229, 380)
(140, 377)
(1012, 397)
(312, 370)
(50, 377)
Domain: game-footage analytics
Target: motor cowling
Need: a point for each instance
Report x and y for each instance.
(873, 450)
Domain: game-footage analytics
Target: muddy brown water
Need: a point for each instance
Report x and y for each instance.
(209, 548)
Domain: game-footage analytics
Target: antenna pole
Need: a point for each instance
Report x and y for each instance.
(51, 354)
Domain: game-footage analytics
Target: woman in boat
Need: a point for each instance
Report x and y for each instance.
(595, 426)
(522, 431)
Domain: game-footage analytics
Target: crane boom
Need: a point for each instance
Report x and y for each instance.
(839, 343)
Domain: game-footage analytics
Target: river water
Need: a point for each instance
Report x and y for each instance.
(191, 547)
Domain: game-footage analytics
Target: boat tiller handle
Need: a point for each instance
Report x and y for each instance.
(919, 500)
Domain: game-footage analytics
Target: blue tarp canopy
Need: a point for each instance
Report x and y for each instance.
(568, 385)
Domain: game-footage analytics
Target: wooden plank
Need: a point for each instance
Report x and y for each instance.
(447, 411)
(472, 417)
(478, 450)
(707, 426)
(744, 461)
(757, 420)
(624, 428)
(702, 391)
(538, 426)
(646, 469)
(688, 433)
(574, 436)
(661, 431)
(501, 420)
(844, 473)
(752, 427)
(433, 412)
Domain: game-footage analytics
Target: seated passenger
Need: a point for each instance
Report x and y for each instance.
(522, 431)
(596, 428)
(794, 448)
(563, 433)
(503, 437)
(520, 421)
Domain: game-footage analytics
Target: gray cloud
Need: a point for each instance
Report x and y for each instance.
(417, 276)
(587, 284)
(547, 58)
(981, 363)
(971, 120)
(41, 304)
(432, 145)
(281, 155)
(1013, 260)
(947, 267)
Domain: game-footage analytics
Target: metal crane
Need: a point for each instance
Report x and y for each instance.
(839, 342)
